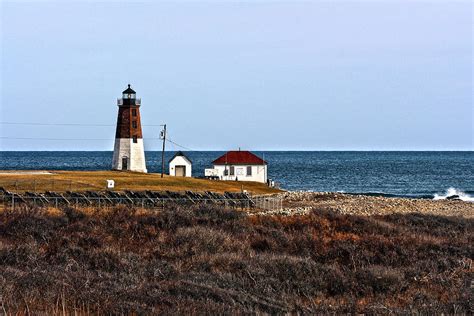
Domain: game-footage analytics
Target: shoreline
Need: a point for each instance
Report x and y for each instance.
(450, 193)
(458, 195)
(298, 203)
(293, 202)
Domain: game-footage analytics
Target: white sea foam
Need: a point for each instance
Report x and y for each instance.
(452, 192)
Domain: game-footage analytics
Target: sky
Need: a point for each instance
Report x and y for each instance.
(259, 75)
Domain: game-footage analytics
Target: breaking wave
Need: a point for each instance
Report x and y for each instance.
(453, 193)
(450, 194)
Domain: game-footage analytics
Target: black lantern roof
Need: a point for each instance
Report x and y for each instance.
(128, 90)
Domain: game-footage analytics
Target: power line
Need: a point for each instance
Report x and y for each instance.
(43, 138)
(75, 139)
(63, 124)
(184, 147)
(86, 139)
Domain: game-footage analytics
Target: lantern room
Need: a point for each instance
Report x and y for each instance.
(129, 93)
(129, 98)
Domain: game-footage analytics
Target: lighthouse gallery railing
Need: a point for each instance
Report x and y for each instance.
(137, 101)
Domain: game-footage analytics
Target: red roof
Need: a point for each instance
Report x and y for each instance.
(235, 157)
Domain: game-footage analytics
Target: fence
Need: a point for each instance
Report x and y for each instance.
(13, 200)
(270, 203)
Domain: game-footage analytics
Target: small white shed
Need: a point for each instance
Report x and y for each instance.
(180, 165)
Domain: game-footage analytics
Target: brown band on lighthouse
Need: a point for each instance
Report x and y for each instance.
(128, 122)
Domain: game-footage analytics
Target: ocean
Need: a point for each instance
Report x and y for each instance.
(417, 174)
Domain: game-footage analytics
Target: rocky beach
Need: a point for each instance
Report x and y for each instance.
(299, 202)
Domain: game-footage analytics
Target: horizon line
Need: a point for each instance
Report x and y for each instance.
(267, 150)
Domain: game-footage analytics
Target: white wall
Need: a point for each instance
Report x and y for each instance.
(125, 147)
(180, 161)
(259, 173)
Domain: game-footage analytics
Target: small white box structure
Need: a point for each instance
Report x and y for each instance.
(110, 184)
(211, 173)
(180, 165)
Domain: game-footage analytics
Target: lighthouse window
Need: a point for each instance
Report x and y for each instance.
(135, 139)
(134, 124)
(134, 112)
(128, 96)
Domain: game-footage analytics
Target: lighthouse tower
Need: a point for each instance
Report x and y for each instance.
(129, 153)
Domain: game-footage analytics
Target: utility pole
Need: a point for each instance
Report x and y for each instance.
(163, 136)
(264, 169)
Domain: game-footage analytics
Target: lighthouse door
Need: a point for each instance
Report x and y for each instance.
(124, 163)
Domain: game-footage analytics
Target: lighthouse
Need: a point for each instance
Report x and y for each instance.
(129, 153)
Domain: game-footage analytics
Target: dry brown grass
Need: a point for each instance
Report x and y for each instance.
(95, 180)
(207, 260)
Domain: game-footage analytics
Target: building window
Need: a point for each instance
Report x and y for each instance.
(134, 112)
(135, 139)
(249, 170)
(226, 172)
(134, 124)
(232, 170)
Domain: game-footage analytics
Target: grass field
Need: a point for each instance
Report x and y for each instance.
(96, 180)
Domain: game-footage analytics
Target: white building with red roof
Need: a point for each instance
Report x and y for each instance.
(239, 165)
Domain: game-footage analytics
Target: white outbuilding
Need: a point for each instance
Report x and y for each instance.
(180, 165)
(238, 166)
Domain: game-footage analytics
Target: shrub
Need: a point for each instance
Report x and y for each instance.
(213, 260)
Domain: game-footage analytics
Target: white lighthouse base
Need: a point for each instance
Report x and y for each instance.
(129, 155)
